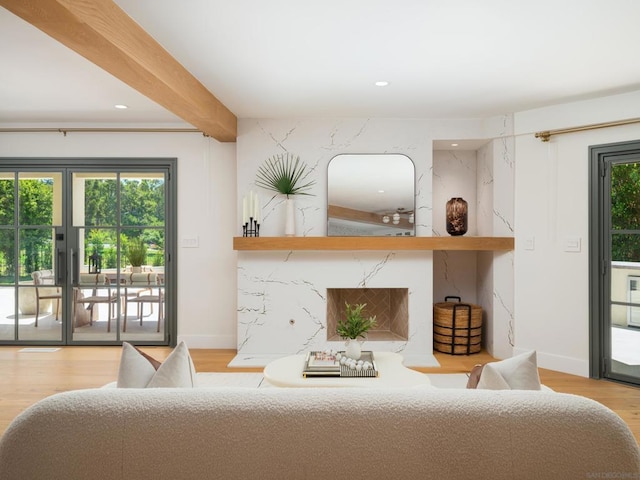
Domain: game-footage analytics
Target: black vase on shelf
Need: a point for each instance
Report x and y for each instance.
(457, 209)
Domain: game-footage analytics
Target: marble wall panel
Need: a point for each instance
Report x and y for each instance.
(282, 300)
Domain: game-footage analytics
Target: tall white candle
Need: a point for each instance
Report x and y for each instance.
(244, 210)
(256, 207)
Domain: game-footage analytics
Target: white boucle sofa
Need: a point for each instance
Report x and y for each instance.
(279, 433)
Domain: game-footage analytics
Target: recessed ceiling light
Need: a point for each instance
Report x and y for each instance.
(454, 144)
(120, 106)
(382, 83)
(380, 191)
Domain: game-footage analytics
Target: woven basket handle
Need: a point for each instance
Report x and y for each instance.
(446, 299)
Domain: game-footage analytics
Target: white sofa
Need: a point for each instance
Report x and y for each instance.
(336, 433)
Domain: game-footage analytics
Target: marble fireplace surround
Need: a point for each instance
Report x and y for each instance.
(283, 301)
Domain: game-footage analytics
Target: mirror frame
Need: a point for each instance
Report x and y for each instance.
(357, 204)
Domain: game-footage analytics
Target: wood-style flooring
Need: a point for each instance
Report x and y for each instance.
(28, 376)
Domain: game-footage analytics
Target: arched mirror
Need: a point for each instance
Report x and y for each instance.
(370, 195)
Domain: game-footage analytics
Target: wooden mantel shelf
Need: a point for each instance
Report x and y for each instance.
(373, 243)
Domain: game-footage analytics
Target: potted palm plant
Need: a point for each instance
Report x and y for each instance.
(285, 174)
(136, 252)
(355, 325)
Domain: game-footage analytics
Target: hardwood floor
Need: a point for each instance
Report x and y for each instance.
(28, 376)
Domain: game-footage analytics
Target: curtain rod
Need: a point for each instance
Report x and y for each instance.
(544, 136)
(65, 130)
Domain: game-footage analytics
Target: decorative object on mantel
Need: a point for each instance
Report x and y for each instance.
(355, 325)
(457, 216)
(284, 174)
(250, 215)
(290, 218)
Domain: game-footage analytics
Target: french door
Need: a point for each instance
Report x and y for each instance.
(86, 249)
(615, 262)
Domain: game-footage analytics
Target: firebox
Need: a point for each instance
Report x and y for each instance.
(389, 305)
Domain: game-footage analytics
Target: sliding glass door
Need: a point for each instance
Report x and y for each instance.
(31, 248)
(85, 250)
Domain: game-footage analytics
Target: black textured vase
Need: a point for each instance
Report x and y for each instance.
(457, 216)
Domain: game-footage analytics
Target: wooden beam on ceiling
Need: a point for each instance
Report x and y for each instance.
(103, 33)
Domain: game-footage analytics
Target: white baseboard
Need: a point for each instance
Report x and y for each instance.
(559, 363)
(208, 341)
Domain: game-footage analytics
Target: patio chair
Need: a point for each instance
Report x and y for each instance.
(45, 289)
(141, 288)
(101, 293)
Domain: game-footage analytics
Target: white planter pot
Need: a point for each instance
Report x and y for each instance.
(353, 349)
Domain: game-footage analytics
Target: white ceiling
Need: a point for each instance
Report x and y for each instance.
(43, 81)
(292, 58)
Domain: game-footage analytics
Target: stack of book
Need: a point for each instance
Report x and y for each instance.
(321, 364)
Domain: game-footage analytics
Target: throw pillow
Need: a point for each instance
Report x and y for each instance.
(139, 370)
(515, 373)
(474, 375)
(491, 379)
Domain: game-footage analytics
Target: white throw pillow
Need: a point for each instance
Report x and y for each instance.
(515, 373)
(138, 370)
(491, 379)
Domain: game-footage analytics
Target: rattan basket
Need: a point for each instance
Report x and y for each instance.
(457, 327)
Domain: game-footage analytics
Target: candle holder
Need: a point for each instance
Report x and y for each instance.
(251, 228)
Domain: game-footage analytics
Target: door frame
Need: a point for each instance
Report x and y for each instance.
(67, 165)
(600, 159)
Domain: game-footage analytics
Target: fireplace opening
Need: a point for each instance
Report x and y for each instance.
(389, 305)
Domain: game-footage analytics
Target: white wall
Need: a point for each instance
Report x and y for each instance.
(206, 172)
(551, 202)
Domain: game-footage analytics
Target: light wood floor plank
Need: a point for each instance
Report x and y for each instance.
(30, 376)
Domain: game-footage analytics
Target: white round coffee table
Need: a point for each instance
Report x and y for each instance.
(287, 372)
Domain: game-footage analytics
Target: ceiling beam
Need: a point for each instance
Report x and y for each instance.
(103, 33)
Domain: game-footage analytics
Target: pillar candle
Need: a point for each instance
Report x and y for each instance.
(256, 207)
(244, 210)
